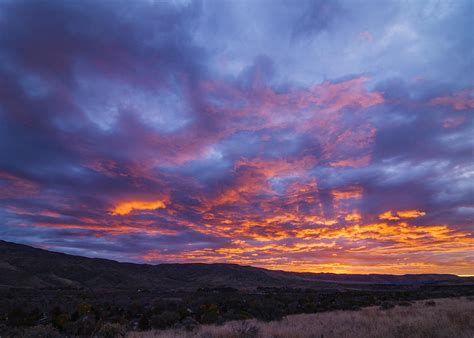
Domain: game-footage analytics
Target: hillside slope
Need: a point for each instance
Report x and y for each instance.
(25, 266)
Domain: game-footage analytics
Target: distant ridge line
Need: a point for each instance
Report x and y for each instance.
(26, 266)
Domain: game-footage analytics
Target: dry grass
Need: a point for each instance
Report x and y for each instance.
(452, 317)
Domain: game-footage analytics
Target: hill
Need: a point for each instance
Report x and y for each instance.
(28, 267)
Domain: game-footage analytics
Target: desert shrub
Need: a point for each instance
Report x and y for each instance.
(209, 314)
(55, 311)
(293, 307)
(84, 326)
(164, 320)
(83, 309)
(43, 331)
(16, 317)
(34, 316)
(242, 315)
(3, 327)
(404, 304)
(144, 323)
(160, 305)
(266, 310)
(75, 316)
(386, 306)
(189, 323)
(246, 329)
(109, 330)
(60, 321)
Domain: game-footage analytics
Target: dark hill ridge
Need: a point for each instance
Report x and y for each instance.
(28, 267)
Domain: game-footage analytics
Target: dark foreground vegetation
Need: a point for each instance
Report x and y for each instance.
(43, 294)
(440, 318)
(91, 312)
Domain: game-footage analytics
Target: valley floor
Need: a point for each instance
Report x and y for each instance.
(450, 317)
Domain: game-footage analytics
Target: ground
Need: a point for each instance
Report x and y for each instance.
(449, 317)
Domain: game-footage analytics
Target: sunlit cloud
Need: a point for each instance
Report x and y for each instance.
(410, 213)
(125, 208)
(390, 215)
(165, 133)
(460, 100)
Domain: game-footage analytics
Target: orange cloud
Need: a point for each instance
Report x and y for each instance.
(355, 192)
(353, 217)
(389, 246)
(410, 213)
(126, 208)
(389, 215)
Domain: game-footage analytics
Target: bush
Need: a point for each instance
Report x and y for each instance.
(246, 329)
(189, 323)
(164, 320)
(404, 304)
(61, 321)
(16, 317)
(43, 331)
(209, 315)
(144, 323)
(83, 309)
(386, 306)
(109, 330)
(85, 326)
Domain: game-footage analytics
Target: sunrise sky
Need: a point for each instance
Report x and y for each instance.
(330, 136)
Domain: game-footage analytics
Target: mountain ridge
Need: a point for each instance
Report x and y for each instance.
(29, 267)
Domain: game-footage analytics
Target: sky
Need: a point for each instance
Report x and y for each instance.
(320, 136)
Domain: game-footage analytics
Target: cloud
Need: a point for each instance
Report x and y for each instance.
(275, 135)
(390, 215)
(461, 100)
(125, 208)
